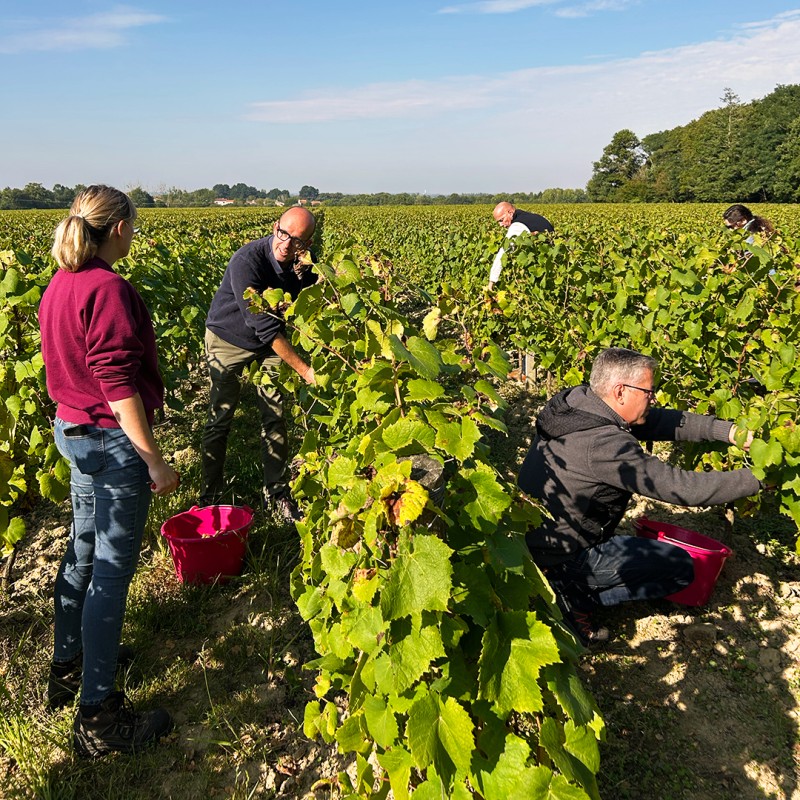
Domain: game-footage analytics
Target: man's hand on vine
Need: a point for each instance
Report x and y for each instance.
(746, 443)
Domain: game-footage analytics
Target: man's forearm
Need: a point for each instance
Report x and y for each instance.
(284, 350)
(497, 267)
(672, 425)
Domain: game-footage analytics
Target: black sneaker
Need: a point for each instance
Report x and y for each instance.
(580, 623)
(284, 507)
(116, 727)
(589, 634)
(64, 681)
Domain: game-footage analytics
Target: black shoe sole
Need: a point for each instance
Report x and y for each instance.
(93, 751)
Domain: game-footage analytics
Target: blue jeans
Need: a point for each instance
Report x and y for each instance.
(110, 489)
(621, 569)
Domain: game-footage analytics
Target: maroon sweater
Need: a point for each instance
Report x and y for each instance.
(98, 345)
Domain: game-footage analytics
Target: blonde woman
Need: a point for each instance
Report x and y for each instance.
(99, 350)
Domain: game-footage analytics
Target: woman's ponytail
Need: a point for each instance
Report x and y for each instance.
(94, 212)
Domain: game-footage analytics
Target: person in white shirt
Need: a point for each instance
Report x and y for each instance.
(517, 222)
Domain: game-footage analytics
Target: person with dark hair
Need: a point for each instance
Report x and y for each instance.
(236, 338)
(516, 222)
(99, 351)
(739, 217)
(586, 463)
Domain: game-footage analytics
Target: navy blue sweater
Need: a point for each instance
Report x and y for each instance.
(252, 266)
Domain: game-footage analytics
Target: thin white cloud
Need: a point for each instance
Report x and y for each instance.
(381, 101)
(95, 32)
(784, 15)
(495, 6)
(656, 89)
(583, 9)
(593, 7)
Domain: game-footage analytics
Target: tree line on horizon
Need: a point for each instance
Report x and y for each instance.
(743, 152)
(34, 195)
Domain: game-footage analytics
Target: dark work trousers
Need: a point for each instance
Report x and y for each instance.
(621, 569)
(226, 362)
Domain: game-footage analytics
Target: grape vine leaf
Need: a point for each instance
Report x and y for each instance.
(440, 732)
(430, 325)
(381, 721)
(411, 656)
(408, 505)
(420, 579)
(419, 390)
(489, 500)
(576, 754)
(406, 431)
(456, 439)
(398, 763)
(516, 645)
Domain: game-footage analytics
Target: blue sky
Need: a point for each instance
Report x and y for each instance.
(417, 96)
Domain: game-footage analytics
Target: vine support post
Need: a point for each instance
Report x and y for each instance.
(5, 581)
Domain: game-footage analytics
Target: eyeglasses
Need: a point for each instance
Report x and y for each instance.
(298, 244)
(651, 393)
(135, 230)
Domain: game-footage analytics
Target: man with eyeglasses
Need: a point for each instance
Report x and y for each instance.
(585, 464)
(235, 338)
(516, 222)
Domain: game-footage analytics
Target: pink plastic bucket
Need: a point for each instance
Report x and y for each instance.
(208, 544)
(707, 554)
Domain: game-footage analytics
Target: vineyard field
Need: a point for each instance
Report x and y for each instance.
(666, 280)
(435, 656)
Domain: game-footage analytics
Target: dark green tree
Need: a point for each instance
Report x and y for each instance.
(737, 152)
(36, 196)
(308, 193)
(63, 195)
(787, 170)
(241, 191)
(664, 164)
(622, 159)
(713, 160)
(141, 198)
(768, 128)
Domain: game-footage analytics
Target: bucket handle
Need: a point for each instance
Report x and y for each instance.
(723, 550)
(246, 507)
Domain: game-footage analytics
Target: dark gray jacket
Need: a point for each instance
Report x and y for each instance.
(586, 462)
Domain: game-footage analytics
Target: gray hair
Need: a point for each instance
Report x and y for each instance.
(618, 365)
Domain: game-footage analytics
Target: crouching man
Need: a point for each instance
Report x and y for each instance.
(586, 462)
